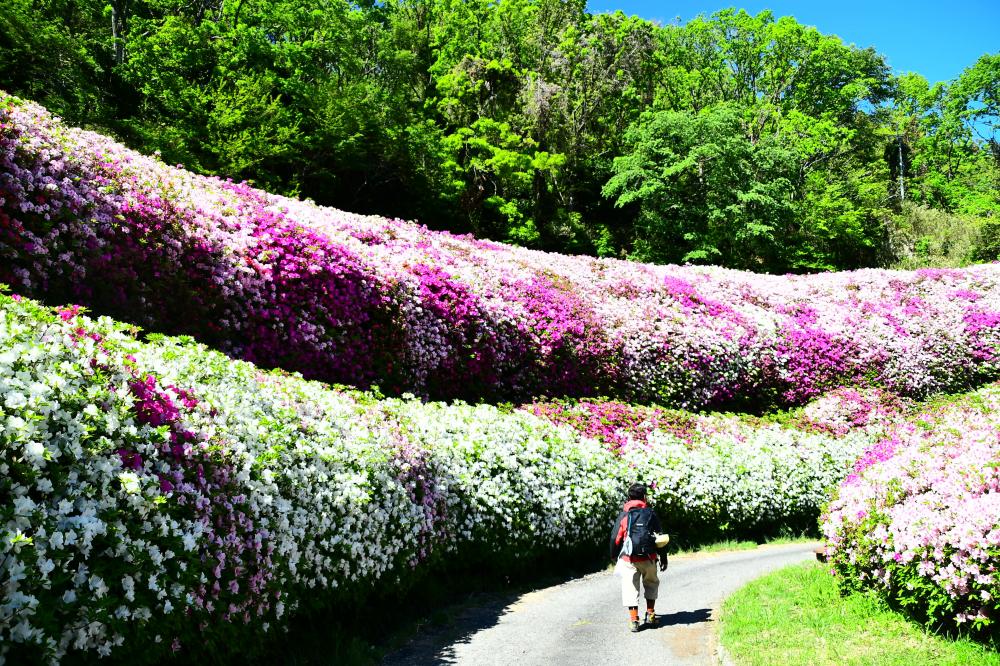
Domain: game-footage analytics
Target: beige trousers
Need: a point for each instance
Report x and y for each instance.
(630, 573)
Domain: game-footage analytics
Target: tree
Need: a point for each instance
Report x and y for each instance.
(52, 52)
(705, 192)
(975, 100)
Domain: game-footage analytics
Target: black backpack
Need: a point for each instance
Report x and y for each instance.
(639, 538)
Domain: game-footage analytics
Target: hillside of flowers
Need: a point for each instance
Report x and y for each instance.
(159, 498)
(367, 300)
(918, 519)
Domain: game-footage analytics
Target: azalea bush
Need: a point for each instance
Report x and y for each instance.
(158, 497)
(918, 519)
(367, 300)
(720, 475)
(849, 409)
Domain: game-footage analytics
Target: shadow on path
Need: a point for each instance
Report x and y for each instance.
(682, 618)
(434, 642)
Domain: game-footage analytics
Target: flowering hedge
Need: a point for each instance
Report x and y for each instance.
(362, 300)
(918, 520)
(159, 496)
(715, 475)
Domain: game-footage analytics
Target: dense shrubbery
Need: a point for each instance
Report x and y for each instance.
(360, 300)
(720, 474)
(919, 519)
(924, 237)
(159, 496)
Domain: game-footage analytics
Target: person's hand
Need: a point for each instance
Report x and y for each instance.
(663, 562)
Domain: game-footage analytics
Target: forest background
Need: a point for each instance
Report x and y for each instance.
(740, 140)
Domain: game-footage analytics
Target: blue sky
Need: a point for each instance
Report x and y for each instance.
(935, 39)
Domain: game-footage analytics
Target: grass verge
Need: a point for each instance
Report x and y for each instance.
(738, 544)
(797, 616)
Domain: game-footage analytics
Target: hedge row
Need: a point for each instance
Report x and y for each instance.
(363, 300)
(159, 497)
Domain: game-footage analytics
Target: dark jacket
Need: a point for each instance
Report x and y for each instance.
(621, 525)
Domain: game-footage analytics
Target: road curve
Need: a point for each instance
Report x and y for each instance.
(581, 622)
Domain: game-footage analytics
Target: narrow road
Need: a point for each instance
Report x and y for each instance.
(582, 623)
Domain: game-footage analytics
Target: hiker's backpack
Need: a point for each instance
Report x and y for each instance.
(639, 538)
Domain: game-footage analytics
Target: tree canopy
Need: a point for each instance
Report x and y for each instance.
(747, 141)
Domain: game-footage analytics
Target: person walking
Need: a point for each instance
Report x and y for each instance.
(633, 548)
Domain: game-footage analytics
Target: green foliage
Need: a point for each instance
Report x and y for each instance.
(975, 100)
(743, 140)
(54, 51)
(708, 191)
(706, 194)
(924, 237)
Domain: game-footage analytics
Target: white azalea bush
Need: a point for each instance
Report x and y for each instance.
(160, 498)
(465, 473)
(114, 513)
(716, 475)
(753, 482)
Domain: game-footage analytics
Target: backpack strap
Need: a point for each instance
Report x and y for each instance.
(616, 548)
(632, 514)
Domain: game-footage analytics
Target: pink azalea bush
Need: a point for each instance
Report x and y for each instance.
(847, 409)
(619, 425)
(363, 300)
(918, 519)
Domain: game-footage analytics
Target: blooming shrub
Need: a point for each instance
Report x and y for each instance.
(716, 475)
(157, 496)
(362, 300)
(749, 483)
(918, 520)
(114, 510)
(848, 409)
(619, 425)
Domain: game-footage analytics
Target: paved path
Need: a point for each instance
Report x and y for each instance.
(581, 622)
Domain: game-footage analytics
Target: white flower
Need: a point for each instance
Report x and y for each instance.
(24, 506)
(130, 482)
(34, 450)
(46, 566)
(15, 400)
(98, 585)
(128, 586)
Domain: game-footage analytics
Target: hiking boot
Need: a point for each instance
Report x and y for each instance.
(651, 618)
(633, 626)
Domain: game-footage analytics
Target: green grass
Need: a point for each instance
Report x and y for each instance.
(734, 544)
(718, 547)
(797, 616)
